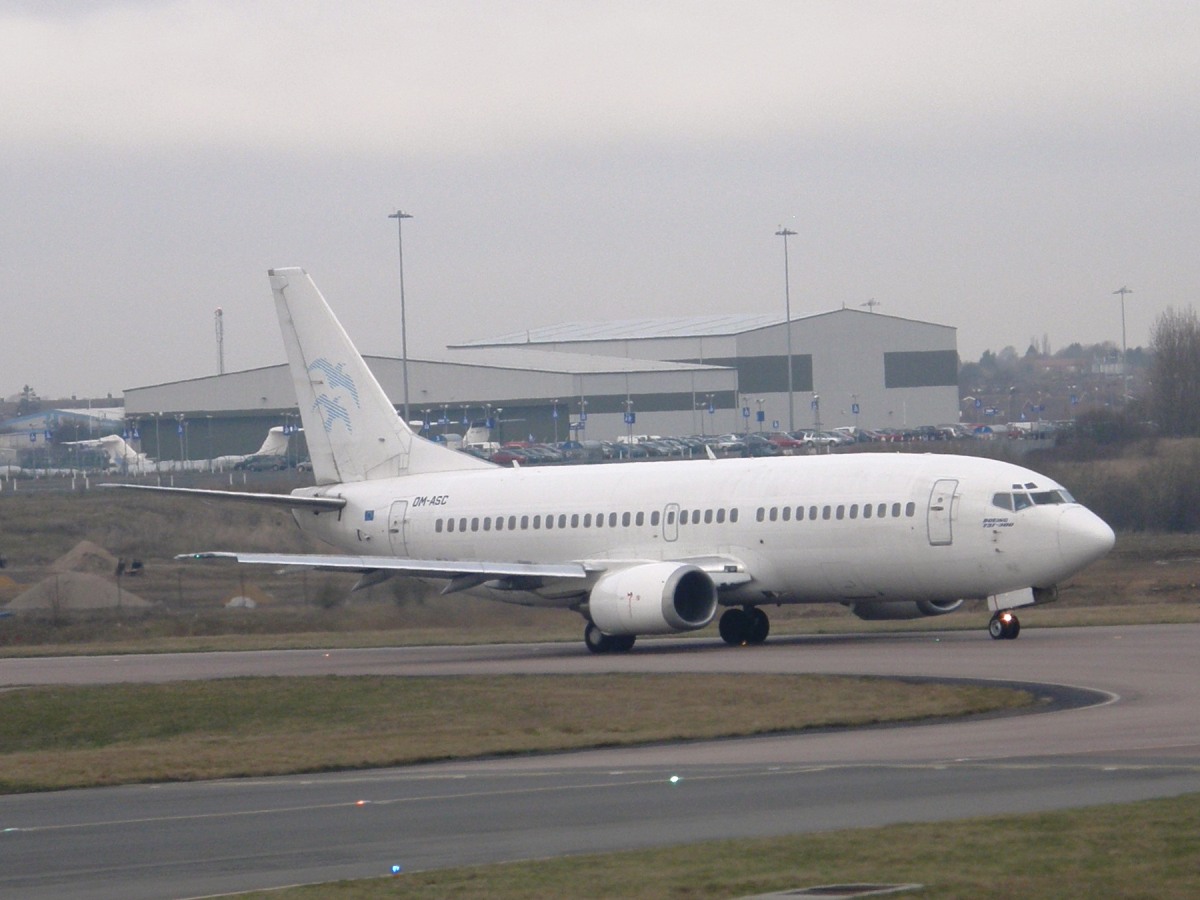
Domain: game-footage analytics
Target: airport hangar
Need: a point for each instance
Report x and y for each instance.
(691, 375)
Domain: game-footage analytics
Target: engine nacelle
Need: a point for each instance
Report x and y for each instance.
(653, 598)
(903, 609)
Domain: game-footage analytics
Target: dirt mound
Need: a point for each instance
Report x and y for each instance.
(86, 557)
(76, 590)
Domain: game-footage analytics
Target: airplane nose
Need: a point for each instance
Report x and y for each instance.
(1083, 536)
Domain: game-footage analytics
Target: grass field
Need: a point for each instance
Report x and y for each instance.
(59, 737)
(1140, 850)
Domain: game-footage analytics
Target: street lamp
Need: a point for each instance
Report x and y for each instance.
(785, 233)
(1123, 290)
(400, 216)
(554, 416)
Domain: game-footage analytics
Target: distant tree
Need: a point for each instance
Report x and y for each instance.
(1175, 372)
(30, 402)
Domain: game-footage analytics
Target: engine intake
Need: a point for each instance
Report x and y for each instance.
(903, 609)
(653, 598)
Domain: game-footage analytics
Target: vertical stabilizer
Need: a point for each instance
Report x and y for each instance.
(352, 429)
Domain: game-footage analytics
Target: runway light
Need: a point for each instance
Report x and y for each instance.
(396, 870)
(360, 803)
(674, 779)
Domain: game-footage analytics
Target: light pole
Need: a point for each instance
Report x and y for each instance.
(400, 216)
(1123, 290)
(785, 233)
(554, 416)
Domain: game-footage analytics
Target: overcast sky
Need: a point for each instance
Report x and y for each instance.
(998, 167)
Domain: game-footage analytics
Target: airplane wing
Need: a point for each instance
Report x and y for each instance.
(290, 500)
(462, 574)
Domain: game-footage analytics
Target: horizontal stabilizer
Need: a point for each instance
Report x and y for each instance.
(291, 501)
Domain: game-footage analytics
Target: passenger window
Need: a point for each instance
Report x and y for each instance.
(487, 523)
(462, 524)
(895, 510)
(773, 514)
(854, 510)
(826, 511)
(549, 521)
(640, 519)
(512, 523)
(612, 520)
(562, 521)
(720, 515)
(760, 515)
(587, 520)
(475, 523)
(799, 513)
(1004, 501)
(437, 526)
(733, 515)
(524, 523)
(537, 522)
(812, 512)
(841, 512)
(654, 518)
(911, 509)
(449, 525)
(625, 519)
(599, 520)
(574, 520)
(787, 514)
(866, 510)
(881, 512)
(708, 517)
(670, 517)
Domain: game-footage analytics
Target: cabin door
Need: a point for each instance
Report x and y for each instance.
(397, 522)
(670, 523)
(941, 512)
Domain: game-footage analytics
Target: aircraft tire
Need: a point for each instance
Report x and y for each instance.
(734, 625)
(758, 625)
(996, 628)
(1014, 628)
(622, 643)
(596, 640)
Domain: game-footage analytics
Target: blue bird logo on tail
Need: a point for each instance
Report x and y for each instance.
(331, 403)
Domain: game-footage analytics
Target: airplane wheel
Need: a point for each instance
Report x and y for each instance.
(733, 626)
(758, 625)
(622, 643)
(1004, 626)
(596, 640)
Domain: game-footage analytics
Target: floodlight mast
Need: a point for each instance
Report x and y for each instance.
(400, 216)
(785, 233)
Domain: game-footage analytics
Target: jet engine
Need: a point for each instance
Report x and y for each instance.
(903, 609)
(652, 598)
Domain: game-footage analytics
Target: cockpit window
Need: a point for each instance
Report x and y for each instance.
(1019, 500)
(1042, 498)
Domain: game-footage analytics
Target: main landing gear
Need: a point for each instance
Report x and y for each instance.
(1004, 626)
(599, 642)
(741, 627)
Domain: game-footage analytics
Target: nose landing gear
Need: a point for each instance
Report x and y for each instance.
(1004, 626)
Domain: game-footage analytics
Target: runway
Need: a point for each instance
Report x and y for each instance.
(1140, 739)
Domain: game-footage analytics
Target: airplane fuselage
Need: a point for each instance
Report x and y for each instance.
(849, 528)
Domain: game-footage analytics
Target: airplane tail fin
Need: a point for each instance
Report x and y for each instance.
(353, 431)
(275, 444)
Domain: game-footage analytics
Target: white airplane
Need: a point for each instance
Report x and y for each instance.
(657, 548)
(121, 454)
(274, 445)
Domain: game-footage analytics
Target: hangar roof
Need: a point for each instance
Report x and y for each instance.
(649, 329)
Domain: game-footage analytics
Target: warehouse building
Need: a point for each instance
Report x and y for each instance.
(692, 375)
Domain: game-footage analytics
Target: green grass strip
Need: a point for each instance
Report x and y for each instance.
(57, 737)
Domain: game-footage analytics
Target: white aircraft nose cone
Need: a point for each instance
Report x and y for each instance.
(1083, 536)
